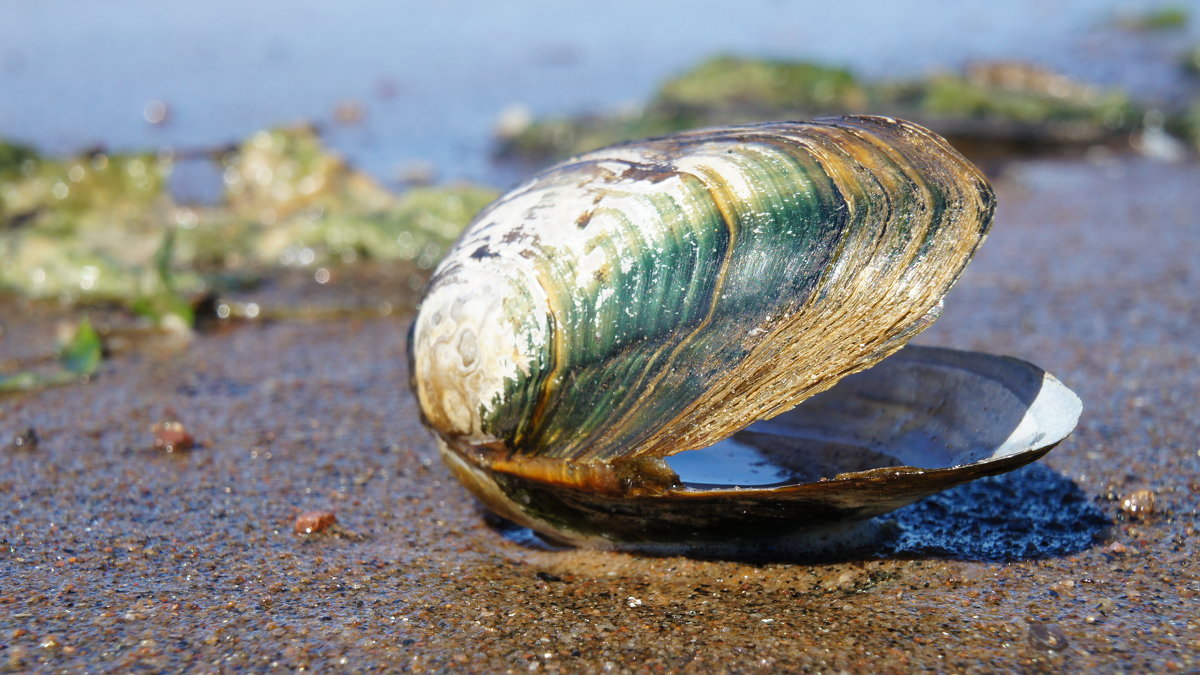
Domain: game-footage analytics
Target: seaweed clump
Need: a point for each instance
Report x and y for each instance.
(101, 228)
(1013, 105)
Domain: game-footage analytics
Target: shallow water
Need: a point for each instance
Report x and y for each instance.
(431, 79)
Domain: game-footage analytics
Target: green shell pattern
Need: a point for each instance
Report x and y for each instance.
(656, 297)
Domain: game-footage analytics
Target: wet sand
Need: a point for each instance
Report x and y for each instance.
(115, 556)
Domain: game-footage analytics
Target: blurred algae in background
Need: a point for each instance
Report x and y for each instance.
(107, 228)
(1169, 17)
(125, 228)
(1015, 104)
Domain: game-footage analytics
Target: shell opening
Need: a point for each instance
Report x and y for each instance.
(925, 407)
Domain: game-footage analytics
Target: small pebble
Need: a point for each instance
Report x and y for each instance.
(171, 436)
(26, 440)
(312, 522)
(1139, 503)
(1118, 548)
(17, 657)
(1047, 637)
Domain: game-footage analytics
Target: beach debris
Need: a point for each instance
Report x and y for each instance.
(25, 440)
(312, 522)
(1139, 504)
(170, 435)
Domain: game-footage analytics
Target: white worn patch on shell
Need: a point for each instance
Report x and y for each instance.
(467, 350)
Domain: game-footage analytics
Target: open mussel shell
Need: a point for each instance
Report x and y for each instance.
(920, 422)
(604, 335)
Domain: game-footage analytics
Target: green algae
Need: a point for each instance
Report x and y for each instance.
(291, 202)
(78, 359)
(12, 156)
(86, 227)
(1024, 94)
(721, 90)
(743, 85)
(1190, 61)
(1191, 124)
(1157, 19)
(991, 100)
(82, 353)
(101, 228)
(562, 136)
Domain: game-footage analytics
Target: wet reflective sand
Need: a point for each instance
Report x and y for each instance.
(117, 556)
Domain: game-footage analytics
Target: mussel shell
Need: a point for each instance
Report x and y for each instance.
(925, 420)
(658, 297)
(655, 297)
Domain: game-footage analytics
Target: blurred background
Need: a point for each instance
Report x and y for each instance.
(419, 90)
(183, 162)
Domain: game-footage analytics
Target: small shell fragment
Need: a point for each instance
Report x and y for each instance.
(171, 436)
(311, 522)
(1139, 503)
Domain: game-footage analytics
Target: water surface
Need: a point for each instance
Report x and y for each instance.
(431, 79)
